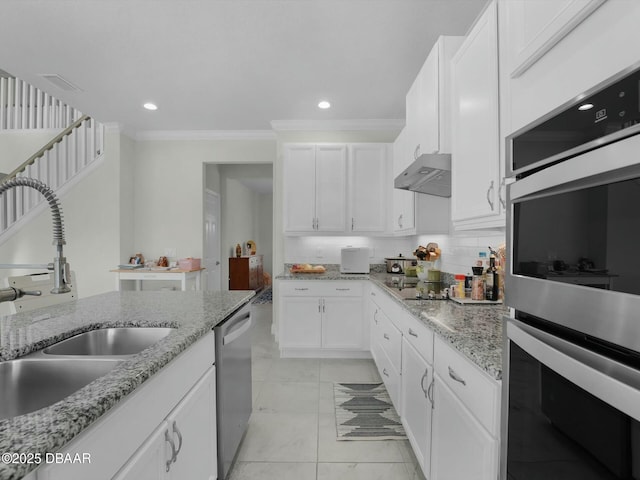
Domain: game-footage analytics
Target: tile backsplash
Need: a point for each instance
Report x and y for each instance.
(459, 251)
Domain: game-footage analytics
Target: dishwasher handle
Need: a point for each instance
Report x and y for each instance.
(242, 324)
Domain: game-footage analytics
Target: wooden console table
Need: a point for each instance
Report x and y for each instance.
(140, 274)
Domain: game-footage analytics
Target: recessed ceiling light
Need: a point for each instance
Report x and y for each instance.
(585, 106)
(324, 105)
(150, 106)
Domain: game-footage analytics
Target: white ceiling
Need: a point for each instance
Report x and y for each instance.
(227, 64)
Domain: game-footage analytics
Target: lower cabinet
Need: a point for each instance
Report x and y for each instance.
(417, 377)
(165, 429)
(184, 445)
(461, 448)
(322, 319)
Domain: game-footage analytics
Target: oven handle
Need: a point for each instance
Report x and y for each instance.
(611, 381)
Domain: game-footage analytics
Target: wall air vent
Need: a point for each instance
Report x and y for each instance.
(60, 82)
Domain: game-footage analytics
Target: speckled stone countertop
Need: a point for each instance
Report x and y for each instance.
(473, 330)
(193, 314)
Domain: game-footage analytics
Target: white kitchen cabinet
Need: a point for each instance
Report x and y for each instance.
(133, 431)
(417, 375)
(428, 103)
(466, 418)
(477, 171)
(369, 171)
(314, 188)
(184, 446)
(322, 318)
(462, 448)
(386, 343)
(404, 202)
(536, 27)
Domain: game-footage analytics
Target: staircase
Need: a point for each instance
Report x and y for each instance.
(78, 145)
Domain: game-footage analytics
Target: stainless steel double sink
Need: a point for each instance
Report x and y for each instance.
(49, 375)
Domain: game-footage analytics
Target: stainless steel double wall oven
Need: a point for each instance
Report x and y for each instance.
(571, 402)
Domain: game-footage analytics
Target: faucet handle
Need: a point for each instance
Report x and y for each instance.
(35, 293)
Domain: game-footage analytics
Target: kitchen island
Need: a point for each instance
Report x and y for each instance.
(48, 430)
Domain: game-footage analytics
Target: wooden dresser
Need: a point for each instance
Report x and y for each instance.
(245, 273)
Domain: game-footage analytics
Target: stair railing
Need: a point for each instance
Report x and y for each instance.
(61, 159)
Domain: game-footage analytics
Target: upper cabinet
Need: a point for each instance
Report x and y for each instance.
(315, 188)
(538, 26)
(428, 104)
(478, 199)
(367, 182)
(336, 188)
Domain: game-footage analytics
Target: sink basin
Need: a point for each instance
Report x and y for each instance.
(110, 341)
(29, 384)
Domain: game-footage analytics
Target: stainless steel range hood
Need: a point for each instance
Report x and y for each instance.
(430, 173)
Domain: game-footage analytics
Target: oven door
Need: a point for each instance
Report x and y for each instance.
(571, 413)
(573, 234)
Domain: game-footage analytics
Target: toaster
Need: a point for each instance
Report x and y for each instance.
(354, 260)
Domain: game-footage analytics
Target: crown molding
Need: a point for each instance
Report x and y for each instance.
(338, 125)
(206, 135)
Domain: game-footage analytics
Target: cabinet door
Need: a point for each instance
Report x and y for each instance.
(475, 134)
(368, 177)
(331, 164)
(428, 133)
(299, 181)
(403, 217)
(301, 322)
(462, 447)
(342, 323)
(150, 460)
(417, 375)
(192, 425)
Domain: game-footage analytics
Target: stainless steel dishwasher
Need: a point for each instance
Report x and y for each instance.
(233, 385)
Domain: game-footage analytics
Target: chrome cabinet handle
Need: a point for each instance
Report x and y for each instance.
(385, 336)
(323, 310)
(490, 195)
(319, 305)
(353, 222)
(416, 152)
(301, 289)
(456, 377)
(425, 390)
(430, 392)
(177, 432)
(502, 201)
(169, 440)
(384, 372)
(412, 333)
(375, 315)
(400, 220)
(343, 289)
(373, 294)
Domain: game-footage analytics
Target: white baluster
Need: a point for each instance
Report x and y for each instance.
(3, 103)
(82, 145)
(31, 107)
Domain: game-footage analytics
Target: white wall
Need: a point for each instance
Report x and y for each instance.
(168, 195)
(91, 211)
(18, 145)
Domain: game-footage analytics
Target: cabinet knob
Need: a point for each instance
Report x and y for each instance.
(412, 333)
(384, 372)
(385, 336)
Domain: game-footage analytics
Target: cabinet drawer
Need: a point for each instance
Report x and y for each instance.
(391, 378)
(323, 288)
(419, 336)
(390, 339)
(479, 393)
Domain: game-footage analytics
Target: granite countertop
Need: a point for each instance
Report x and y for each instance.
(193, 314)
(473, 330)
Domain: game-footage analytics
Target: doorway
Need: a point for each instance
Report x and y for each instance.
(246, 211)
(211, 240)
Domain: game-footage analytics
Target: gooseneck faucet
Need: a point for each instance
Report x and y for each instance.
(59, 266)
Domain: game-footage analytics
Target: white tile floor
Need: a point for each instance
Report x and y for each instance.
(292, 433)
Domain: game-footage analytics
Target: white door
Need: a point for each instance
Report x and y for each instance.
(368, 179)
(211, 240)
(342, 322)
